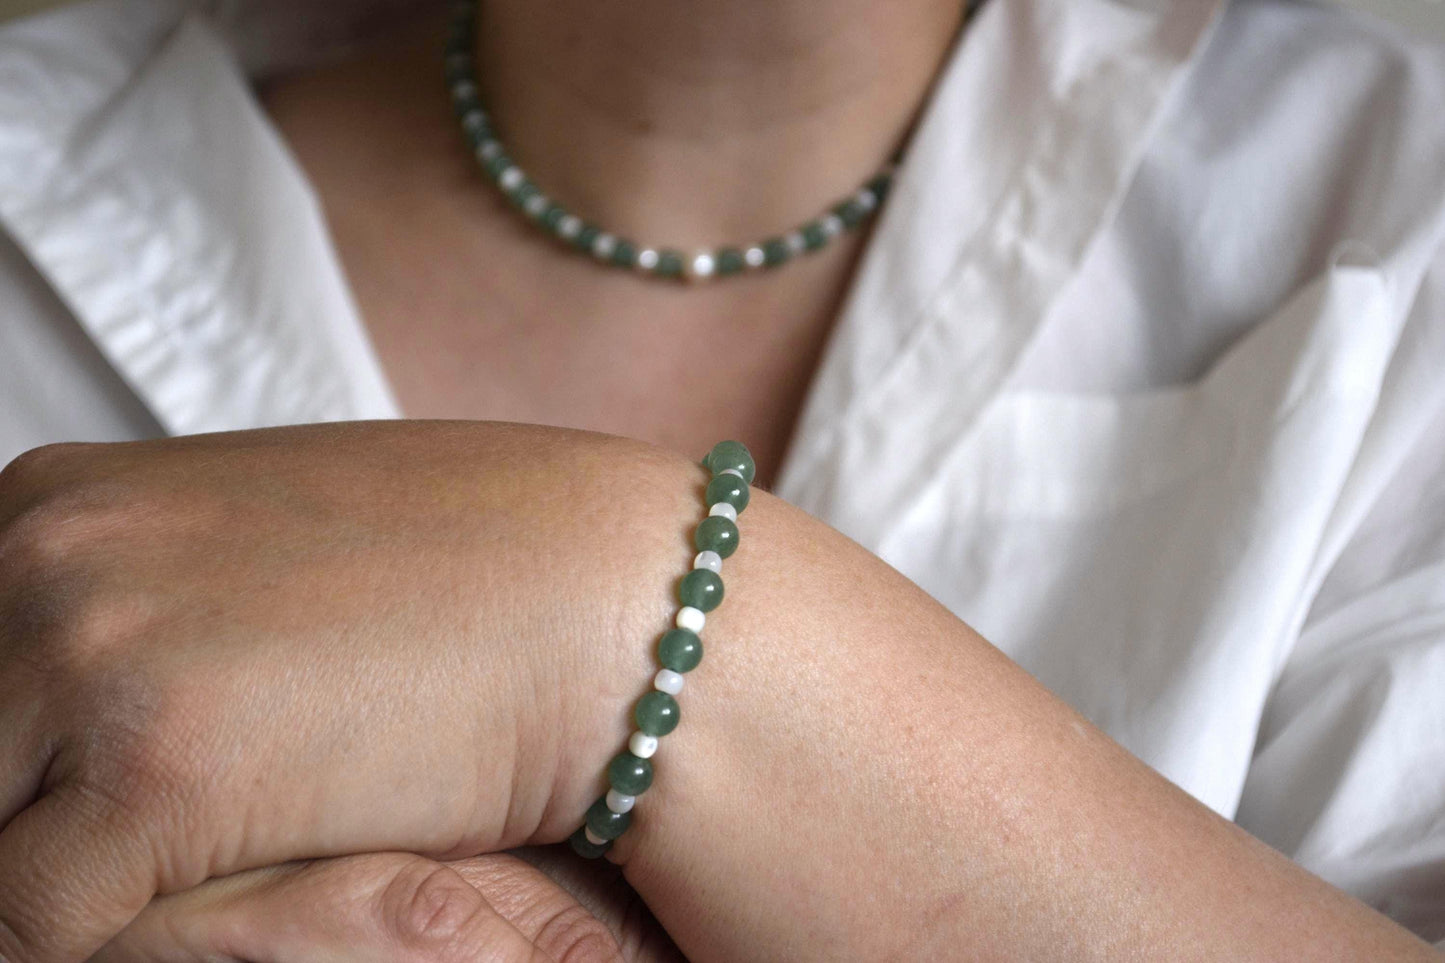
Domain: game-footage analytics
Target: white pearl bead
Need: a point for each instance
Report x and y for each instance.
(797, 244)
(463, 89)
(619, 803)
(511, 178)
(754, 256)
(569, 226)
(732, 471)
(667, 681)
(473, 120)
(603, 245)
(725, 510)
(536, 204)
(691, 619)
(593, 838)
(647, 258)
(702, 265)
(709, 560)
(867, 199)
(642, 745)
(489, 150)
(832, 225)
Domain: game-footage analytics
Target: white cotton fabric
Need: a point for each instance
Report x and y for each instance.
(1143, 373)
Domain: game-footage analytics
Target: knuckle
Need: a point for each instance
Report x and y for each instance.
(33, 467)
(574, 935)
(427, 905)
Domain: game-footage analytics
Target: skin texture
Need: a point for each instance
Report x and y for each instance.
(232, 651)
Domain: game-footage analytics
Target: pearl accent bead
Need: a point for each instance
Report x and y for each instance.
(642, 745)
(536, 204)
(667, 681)
(603, 245)
(570, 226)
(511, 178)
(867, 199)
(647, 258)
(725, 510)
(463, 89)
(754, 257)
(691, 619)
(832, 225)
(702, 265)
(619, 803)
(709, 560)
(489, 150)
(473, 120)
(795, 242)
(593, 838)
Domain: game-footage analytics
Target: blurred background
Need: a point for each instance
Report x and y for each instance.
(1425, 17)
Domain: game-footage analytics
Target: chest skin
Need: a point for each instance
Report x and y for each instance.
(475, 314)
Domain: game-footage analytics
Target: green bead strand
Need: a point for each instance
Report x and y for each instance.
(460, 72)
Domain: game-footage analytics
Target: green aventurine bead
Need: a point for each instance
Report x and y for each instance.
(585, 847)
(715, 534)
(605, 823)
(624, 253)
(731, 454)
(585, 237)
(727, 488)
(730, 261)
(679, 650)
(523, 192)
(702, 589)
(669, 264)
(656, 714)
(850, 212)
(629, 774)
(497, 164)
(775, 252)
(814, 236)
(880, 186)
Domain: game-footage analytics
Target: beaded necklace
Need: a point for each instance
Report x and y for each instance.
(609, 248)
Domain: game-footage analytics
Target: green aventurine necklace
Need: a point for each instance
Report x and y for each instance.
(613, 249)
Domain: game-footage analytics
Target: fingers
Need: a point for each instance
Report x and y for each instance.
(378, 908)
(72, 872)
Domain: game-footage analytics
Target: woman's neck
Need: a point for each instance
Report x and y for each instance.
(695, 122)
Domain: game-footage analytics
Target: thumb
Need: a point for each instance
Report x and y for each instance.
(377, 908)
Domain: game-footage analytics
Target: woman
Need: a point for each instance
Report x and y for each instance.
(1137, 372)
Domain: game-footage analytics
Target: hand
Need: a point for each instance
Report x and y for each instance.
(229, 651)
(527, 906)
(222, 653)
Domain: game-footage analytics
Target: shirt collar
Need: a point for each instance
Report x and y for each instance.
(180, 261)
(1032, 134)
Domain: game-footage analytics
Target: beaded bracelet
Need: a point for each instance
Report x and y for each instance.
(679, 650)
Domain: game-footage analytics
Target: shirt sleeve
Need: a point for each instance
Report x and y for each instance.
(1348, 773)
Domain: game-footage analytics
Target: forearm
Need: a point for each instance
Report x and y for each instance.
(859, 775)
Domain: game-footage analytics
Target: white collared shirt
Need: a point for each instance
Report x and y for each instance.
(1143, 373)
